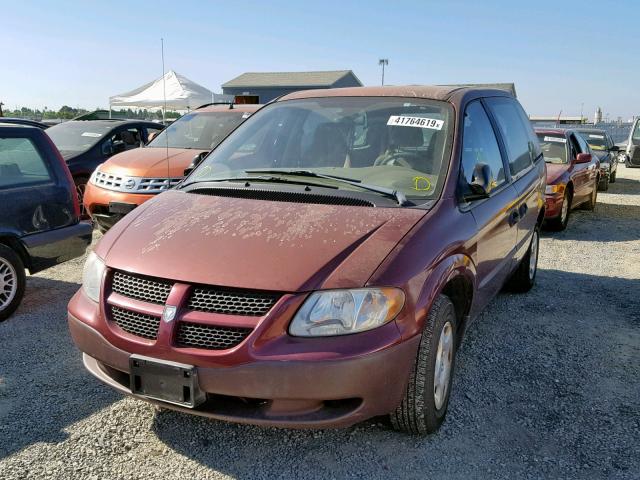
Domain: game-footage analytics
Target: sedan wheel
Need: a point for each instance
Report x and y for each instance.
(8, 283)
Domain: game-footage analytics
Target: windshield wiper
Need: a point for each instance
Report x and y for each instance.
(395, 194)
(261, 178)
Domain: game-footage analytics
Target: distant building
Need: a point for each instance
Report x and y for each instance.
(262, 87)
(597, 117)
(559, 120)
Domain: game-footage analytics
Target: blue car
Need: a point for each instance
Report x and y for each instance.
(85, 144)
(39, 218)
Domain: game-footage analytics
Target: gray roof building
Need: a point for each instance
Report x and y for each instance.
(269, 85)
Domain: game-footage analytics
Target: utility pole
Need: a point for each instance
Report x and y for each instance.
(383, 62)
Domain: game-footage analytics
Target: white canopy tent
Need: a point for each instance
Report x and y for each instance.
(181, 94)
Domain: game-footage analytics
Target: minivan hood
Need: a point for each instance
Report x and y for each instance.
(257, 244)
(150, 162)
(555, 171)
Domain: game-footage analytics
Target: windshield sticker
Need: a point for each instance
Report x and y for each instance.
(601, 137)
(246, 115)
(91, 134)
(420, 122)
(421, 184)
(555, 139)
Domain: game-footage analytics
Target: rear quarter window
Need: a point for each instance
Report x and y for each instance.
(21, 163)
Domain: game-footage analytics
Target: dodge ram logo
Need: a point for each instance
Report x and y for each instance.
(169, 313)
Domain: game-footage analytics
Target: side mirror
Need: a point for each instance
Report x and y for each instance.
(583, 158)
(615, 148)
(197, 160)
(118, 146)
(481, 183)
(151, 137)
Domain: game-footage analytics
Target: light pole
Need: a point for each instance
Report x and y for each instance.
(383, 62)
(581, 111)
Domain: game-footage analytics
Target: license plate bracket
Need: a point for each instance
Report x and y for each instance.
(170, 382)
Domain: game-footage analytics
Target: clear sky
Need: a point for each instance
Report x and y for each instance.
(559, 54)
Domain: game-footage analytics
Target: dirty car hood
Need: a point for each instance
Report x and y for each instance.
(255, 244)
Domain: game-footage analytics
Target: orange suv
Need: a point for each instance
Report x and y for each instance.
(131, 178)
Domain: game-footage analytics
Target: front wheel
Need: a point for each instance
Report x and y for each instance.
(604, 184)
(524, 277)
(12, 281)
(560, 223)
(591, 204)
(426, 399)
(612, 178)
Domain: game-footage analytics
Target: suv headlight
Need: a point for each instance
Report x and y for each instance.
(341, 312)
(94, 175)
(92, 276)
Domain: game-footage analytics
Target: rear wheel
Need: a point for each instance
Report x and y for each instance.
(524, 277)
(12, 281)
(426, 399)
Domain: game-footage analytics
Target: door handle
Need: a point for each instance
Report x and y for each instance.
(514, 217)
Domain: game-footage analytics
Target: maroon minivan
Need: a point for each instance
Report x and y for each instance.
(320, 266)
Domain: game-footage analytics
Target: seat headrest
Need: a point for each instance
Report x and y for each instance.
(406, 137)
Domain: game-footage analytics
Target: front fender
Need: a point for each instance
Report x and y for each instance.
(453, 266)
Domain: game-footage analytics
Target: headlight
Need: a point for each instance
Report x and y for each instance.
(92, 276)
(554, 189)
(341, 312)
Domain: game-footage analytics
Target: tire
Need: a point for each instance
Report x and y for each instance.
(612, 178)
(590, 205)
(81, 185)
(603, 186)
(424, 406)
(12, 281)
(560, 223)
(524, 278)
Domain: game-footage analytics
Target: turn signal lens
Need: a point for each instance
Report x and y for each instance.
(342, 312)
(555, 189)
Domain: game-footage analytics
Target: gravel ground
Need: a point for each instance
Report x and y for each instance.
(547, 386)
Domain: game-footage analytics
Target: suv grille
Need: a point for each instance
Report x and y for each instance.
(214, 300)
(140, 288)
(139, 324)
(196, 335)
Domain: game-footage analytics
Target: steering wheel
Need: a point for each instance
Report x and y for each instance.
(395, 159)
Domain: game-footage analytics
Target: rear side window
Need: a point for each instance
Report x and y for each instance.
(520, 140)
(21, 164)
(479, 145)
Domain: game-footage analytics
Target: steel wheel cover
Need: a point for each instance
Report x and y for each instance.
(442, 370)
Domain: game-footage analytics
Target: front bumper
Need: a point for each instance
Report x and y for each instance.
(288, 387)
(553, 205)
(97, 202)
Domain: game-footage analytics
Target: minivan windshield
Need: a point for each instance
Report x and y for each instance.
(398, 144)
(554, 148)
(78, 136)
(198, 130)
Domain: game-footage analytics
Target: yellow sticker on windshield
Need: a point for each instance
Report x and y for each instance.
(421, 184)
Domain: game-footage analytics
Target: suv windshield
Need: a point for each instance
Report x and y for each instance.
(198, 130)
(554, 148)
(398, 144)
(78, 136)
(597, 141)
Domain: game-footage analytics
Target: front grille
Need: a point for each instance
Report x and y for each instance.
(107, 180)
(231, 302)
(156, 185)
(210, 337)
(141, 288)
(139, 324)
